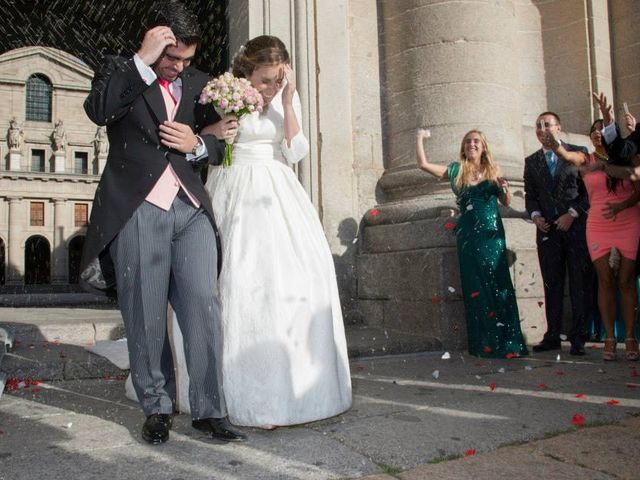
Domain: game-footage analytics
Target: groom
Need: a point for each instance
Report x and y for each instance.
(152, 233)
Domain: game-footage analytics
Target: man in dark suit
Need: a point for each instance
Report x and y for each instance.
(556, 200)
(152, 233)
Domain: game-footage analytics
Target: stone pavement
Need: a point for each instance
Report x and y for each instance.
(415, 416)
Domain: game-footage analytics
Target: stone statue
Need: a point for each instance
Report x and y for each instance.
(59, 137)
(100, 141)
(15, 135)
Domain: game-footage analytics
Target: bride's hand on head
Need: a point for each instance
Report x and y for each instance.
(225, 129)
(290, 86)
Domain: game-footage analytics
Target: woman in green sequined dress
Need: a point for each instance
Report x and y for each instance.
(493, 322)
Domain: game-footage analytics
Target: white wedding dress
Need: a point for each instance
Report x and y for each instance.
(284, 354)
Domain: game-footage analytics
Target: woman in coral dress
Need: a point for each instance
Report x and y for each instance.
(613, 222)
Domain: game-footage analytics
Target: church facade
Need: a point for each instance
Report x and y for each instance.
(51, 158)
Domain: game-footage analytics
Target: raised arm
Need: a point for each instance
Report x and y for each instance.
(551, 142)
(119, 82)
(438, 171)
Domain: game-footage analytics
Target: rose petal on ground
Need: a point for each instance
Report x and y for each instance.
(487, 349)
(374, 212)
(580, 395)
(435, 300)
(542, 385)
(449, 226)
(613, 402)
(469, 452)
(492, 386)
(578, 420)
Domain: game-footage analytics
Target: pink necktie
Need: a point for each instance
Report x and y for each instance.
(165, 84)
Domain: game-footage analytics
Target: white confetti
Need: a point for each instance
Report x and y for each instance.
(469, 207)
(558, 358)
(451, 289)
(544, 239)
(563, 337)
(478, 377)
(528, 367)
(68, 425)
(499, 324)
(446, 356)
(436, 374)
(501, 370)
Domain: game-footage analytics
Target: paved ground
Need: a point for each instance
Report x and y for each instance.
(415, 416)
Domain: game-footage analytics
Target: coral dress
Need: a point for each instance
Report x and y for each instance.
(623, 232)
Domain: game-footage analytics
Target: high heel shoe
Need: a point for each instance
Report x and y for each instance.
(631, 349)
(609, 352)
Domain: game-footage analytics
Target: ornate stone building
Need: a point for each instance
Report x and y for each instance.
(51, 157)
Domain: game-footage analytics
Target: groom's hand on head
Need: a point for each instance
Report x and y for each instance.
(154, 43)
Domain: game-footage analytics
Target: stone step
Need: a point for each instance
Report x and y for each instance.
(49, 344)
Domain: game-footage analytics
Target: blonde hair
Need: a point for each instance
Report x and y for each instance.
(259, 51)
(486, 160)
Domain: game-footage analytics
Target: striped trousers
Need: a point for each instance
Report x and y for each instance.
(170, 255)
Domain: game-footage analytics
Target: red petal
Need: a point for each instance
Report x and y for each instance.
(580, 395)
(559, 372)
(613, 402)
(542, 385)
(35, 390)
(469, 452)
(631, 386)
(492, 386)
(374, 211)
(487, 349)
(511, 355)
(449, 226)
(491, 314)
(456, 328)
(435, 300)
(578, 420)
(475, 294)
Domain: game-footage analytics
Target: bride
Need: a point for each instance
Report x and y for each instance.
(284, 354)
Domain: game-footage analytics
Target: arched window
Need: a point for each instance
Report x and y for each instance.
(38, 98)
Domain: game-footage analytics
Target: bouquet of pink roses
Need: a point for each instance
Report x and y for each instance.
(231, 96)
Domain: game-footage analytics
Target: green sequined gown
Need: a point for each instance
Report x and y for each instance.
(493, 322)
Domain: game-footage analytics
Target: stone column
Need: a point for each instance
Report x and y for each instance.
(60, 260)
(451, 69)
(625, 51)
(15, 255)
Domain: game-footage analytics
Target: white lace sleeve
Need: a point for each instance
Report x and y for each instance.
(299, 144)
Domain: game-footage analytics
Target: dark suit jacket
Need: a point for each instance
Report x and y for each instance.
(624, 149)
(132, 111)
(553, 196)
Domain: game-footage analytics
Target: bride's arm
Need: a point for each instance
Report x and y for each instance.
(291, 126)
(295, 145)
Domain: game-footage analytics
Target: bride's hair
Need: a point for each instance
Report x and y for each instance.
(259, 51)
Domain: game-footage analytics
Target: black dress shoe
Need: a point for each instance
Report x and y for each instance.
(545, 346)
(156, 428)
(577, 348)
(219, 429)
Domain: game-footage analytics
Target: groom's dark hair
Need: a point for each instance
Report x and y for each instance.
(182, 22)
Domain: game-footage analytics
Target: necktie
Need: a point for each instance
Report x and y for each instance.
(165, 84)
(552, 160)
